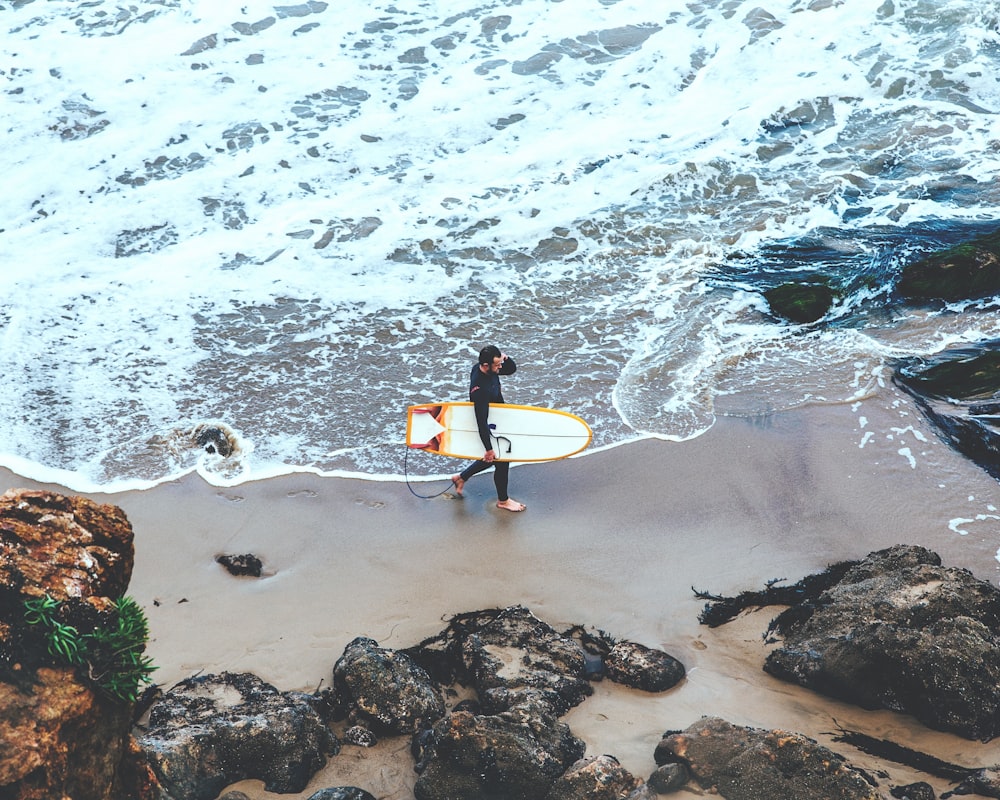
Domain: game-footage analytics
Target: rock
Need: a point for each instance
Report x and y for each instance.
(509, 755)
(957, 390)
(387, 688)
(643, 668)
(511, 658)
(800, 302)
(61, 736)
(749, 763)
(595, 778)
(214, 730)
(341, 793)
(668, 778)
(360, 736)
(984, 782)
(913, 791)
(968, 271)
(247, 564)
(901, 632)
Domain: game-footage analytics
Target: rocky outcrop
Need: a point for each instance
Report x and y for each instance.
(899, 631)
(741, 763)
(512, 658)
(386, 688)
(62, 736)
(512, 755)
(213, 730)
(967, 271)
(959, 392)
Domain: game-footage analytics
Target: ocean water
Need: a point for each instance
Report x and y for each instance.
(289, 222)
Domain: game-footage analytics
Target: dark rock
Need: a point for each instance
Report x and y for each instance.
(595, 778)
(913, 791)
(214, 730)
(511, 658)
(214, 440)
(800, 302)
(959, 392)
(749, 763)
(968, 271)
(641, 667)
(360, 736)
(247, 564)
(984, 782)
(668, 778)
(901, 632)
(59, 735)
(387, 688)
(512, 755)
(341, 793)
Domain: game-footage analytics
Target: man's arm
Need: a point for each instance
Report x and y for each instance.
(481, 404)
(508, 367)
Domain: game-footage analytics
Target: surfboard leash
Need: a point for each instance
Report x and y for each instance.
(406, 475)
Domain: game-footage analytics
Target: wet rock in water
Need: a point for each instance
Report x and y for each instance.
(247, 564)
(511, 658)
(214, 730)
(386, 688)
(959, 392)
(595, 778)
(513, 754)
(341, 793)
(901, 632)
(214, 440)
(968, 271)
(60, 734)
(742, 763)
(641, 667)
(800, 302)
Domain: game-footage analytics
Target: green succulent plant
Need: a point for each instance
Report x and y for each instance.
(111, 656)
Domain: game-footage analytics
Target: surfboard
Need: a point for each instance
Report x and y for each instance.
(520, 433)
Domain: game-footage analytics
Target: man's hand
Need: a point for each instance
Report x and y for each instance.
(490, 456)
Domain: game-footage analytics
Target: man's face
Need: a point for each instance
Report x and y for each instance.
(493, 368)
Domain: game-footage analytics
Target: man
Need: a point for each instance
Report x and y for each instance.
(484, 388)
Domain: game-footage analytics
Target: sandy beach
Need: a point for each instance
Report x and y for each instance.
(614, 540)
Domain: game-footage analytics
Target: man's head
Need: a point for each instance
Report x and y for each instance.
(489, 358)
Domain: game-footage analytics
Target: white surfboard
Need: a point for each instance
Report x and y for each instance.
(520, 433)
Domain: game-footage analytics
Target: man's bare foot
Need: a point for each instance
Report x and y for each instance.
(459, 484)
(511, 505)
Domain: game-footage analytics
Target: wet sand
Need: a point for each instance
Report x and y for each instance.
(614, 541)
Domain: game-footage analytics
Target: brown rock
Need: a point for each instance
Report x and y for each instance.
(61, 737)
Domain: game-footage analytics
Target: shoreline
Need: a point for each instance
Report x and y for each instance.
(614, 541)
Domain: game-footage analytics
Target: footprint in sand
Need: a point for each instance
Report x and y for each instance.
(303, 493)
(369, 503)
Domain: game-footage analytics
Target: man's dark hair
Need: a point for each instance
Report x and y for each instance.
(488, 353)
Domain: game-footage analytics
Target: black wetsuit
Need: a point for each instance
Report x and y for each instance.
(484, 388)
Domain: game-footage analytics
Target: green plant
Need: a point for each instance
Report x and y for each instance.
(111, 655)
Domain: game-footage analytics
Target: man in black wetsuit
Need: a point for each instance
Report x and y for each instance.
(484, 388)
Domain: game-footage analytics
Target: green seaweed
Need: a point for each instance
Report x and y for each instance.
(110, 656)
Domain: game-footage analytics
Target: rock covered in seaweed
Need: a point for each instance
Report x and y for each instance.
(742, 763)
(967, 271)
(641, 667)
